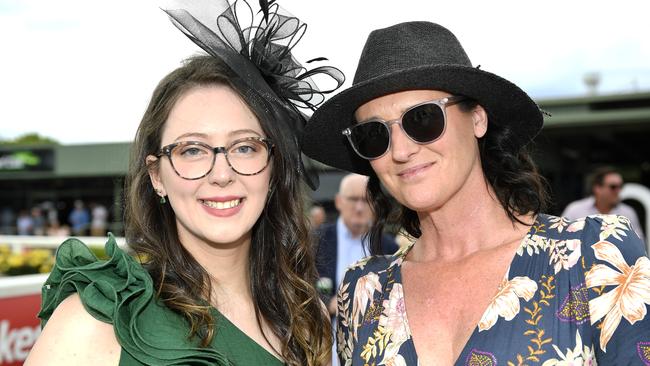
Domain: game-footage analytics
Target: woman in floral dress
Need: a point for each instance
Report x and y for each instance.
(491, 280)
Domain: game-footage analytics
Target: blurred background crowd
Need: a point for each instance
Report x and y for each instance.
(56, 219)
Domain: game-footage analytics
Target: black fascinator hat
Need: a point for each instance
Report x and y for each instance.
(257, 46)
(411, 56)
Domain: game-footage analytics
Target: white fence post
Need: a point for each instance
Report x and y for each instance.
(640, 193)
(19, 242)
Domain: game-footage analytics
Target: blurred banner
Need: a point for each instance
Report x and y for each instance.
(20, 301)
(20, 295)
(26, 159)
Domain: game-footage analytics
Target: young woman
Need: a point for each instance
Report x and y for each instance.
(214, 212)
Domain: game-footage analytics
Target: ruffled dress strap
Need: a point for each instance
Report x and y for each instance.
(120, 291)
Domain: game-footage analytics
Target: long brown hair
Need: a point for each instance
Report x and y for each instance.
(281, 266)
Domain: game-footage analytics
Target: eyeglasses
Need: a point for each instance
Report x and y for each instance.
(194, 160)
(423, 123)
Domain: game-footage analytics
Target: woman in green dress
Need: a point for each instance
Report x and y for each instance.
(213, 211)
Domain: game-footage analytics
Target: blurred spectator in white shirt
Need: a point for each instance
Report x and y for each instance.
(606, 185)
(99, 221)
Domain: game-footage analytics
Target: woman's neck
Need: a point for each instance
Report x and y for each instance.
(471, 221)
(228, 269)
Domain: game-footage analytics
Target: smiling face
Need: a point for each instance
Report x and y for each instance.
(424, 177)
(221, 207)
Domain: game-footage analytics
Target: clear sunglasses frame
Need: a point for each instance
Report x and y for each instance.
(442, 103)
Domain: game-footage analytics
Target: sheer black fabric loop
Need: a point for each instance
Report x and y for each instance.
(259, 53)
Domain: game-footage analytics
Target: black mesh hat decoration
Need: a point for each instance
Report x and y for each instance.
(411, 56)
(257, 47)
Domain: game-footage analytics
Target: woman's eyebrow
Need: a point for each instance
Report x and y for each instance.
(192, 134)
(230, 134)
(243, 132)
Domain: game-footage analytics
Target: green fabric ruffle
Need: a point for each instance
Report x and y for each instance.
(120, 291)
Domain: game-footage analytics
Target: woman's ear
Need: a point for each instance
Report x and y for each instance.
(154, 175)
(480, 120)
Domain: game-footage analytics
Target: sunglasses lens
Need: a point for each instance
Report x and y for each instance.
(424, 123)
(370, 139)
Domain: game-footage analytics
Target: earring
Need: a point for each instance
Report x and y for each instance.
(162, 197)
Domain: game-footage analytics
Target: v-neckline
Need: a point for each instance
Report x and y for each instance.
(242, 333)
(398, 279)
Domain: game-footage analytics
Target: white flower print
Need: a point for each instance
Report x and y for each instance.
(506, 302)
(558, 223)
(393, 318)
(363, 294)
(578, 356)
(532, 244)
(613, 225)
(576, 226)
(564, 254)
(630, 296)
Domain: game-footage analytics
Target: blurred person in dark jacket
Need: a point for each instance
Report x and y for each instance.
(341, 243)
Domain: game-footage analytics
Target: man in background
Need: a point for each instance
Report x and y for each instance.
(606, 185)
(342, 243)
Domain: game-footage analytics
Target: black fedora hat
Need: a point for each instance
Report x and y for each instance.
(411, 56)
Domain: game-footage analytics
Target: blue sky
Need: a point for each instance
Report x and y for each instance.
(81, 72)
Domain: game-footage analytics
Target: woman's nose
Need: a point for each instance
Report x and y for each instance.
(402, 147)
(221, 174)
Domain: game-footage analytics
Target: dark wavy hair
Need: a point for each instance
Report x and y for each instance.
(281, 264)
(509, 169)
(597, 177)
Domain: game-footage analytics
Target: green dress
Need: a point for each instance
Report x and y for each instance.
(120, 291)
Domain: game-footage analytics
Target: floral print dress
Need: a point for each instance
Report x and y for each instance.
(576, 293)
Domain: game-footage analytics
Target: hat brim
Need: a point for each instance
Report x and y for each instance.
(505, 103)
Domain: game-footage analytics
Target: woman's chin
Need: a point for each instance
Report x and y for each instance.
(417, 203)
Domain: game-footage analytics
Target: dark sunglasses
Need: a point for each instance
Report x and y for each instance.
(614, 187)
(423, 123)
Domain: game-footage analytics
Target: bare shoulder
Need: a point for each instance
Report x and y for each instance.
(73, 337)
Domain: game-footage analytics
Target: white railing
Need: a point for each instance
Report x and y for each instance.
(22, 285)
(12, 286)
(640, 193)
(19, 243)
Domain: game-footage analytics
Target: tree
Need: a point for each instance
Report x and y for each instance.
(31, 138)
